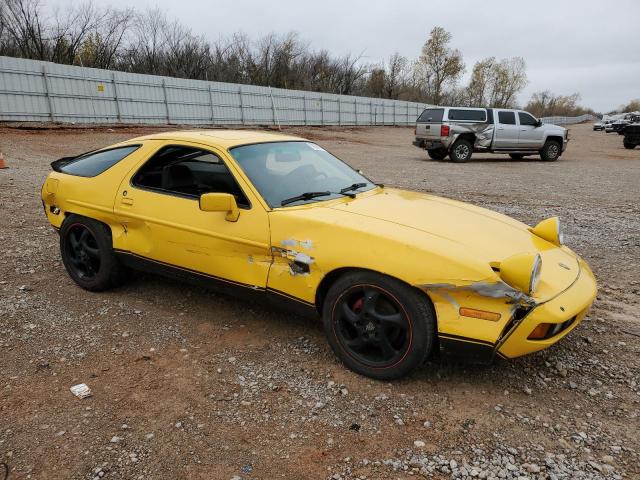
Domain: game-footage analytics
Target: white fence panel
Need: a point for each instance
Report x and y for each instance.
(31, 90)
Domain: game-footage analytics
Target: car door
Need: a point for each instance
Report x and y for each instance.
(530, 136)
(506, 130)
(158, 205)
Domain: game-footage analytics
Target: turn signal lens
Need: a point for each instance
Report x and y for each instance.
(540, 332)
(473, 313)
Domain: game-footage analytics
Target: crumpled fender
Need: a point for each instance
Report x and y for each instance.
(483, 133)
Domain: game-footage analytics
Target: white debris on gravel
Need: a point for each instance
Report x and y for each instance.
(81, 390)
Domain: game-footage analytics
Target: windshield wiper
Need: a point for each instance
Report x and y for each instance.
(304, 196)
(354, 186)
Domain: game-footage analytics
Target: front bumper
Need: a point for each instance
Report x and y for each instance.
(568, 308)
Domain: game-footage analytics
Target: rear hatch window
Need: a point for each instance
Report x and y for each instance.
(431, 115)
(93, 163)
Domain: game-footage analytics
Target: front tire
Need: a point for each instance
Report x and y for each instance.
(628, 145)
(87, 253)
(378, 326)
(437, 153)
(550, 151)
(461, 151)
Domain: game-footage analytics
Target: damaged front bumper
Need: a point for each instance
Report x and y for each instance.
(564, 312)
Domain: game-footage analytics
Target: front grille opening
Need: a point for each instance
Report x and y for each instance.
(559, 328)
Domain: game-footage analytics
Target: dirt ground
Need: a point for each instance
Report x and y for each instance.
(190, 384)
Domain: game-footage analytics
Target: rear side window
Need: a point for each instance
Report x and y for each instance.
(188, 172)
(92, 164)
(468, 115)
(431, 115)
(507, 118)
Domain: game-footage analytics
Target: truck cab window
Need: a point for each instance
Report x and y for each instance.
(507, 118)
(526, 119)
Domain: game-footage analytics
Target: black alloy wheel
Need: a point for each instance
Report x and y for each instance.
(372, 326)
(87, 252)
(83, 252)
(377, 325)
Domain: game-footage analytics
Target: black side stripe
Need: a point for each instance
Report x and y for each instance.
(466, 339)
(213, 277)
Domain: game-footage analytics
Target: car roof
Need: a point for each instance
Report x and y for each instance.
(219, 137)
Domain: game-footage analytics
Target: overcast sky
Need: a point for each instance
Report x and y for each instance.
(586, 46)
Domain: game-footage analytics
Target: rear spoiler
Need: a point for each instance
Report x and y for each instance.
(57, 165)
(61, 162)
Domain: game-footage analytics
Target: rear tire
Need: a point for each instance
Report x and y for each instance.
(461, 151)
(550, 151)
(378, 326)
(628, 145)
(87, 253)
(516, 156)
(437, 153)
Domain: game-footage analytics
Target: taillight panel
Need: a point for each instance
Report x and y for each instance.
(444, 130)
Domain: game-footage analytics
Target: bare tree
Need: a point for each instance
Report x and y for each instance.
(509, 78)
(479, 92)
(395, 77)
(439, 65)
(23, 23)
(547, 104)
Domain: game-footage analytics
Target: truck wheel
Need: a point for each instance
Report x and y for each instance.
(628, 145)
(551, 151)
(437, 153)
(516, 156)
(461, 151)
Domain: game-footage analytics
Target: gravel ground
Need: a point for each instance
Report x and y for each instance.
(190, 384)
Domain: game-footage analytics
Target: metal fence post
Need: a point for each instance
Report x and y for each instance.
(304, 108)
(213, 112)
(46, 92)
(321, 110)
(241, 104)
(340, 110)
(395, 104)
(273, 109)
(371, 112)
(355, 110)
(115, 96)
(166, 100)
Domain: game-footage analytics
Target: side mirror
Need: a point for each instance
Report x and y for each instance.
(538, 123)
(220, 202)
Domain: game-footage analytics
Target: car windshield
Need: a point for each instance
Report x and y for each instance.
(294, 173)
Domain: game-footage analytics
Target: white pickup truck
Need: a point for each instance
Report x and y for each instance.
(460, 131)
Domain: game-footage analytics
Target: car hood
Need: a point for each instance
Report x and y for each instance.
(489, 236)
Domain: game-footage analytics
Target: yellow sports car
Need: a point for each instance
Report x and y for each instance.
(396, 275)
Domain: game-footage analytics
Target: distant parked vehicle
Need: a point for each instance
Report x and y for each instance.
(598, 126)
(458, 132)
(632, 133)
(608, 126)
(618, 126)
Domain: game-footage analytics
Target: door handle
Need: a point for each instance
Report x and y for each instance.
(127, 201)
(500, 128)
(523, 129)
